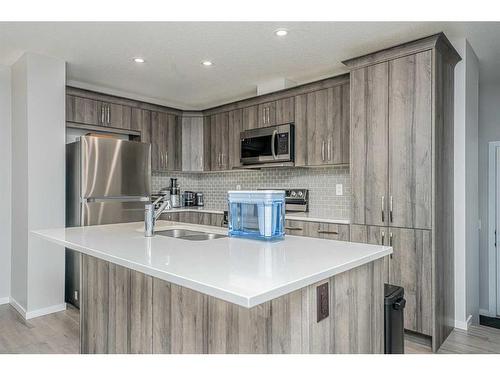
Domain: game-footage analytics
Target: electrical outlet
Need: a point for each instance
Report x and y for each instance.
(339, 189)
(322, 305)
(238, 187)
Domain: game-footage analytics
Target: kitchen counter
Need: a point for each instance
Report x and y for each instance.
(240, 271)
(300, 216)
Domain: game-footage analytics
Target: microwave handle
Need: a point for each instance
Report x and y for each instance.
(273, 141)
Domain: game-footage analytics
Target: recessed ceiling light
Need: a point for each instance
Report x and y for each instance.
(281, 32)
(139, 60)
(207, 63)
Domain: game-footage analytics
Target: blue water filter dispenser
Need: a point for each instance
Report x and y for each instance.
(257, 214)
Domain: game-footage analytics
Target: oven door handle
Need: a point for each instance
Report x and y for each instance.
(273, 141)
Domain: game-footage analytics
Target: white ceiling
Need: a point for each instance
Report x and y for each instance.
(244, 53)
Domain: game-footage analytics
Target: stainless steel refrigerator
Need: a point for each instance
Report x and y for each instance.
(107, 181)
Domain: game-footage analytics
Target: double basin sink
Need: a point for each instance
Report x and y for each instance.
(190, 235)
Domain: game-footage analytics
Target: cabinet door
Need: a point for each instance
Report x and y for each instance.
(380, 236)
(267, 114)
(141, 121)
(285, 111)
(410, 267)
(159, 136)
(250, 117)
(219, 126)
(118, 116)
(316, 119)
(82, 110)
(300, 118)
(192, 144)
(338, 125)
(207, 144)
(369, 157)
(173, 151)
(410, 141)
(235, 127)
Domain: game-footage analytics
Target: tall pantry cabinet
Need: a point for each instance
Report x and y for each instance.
(402, 172)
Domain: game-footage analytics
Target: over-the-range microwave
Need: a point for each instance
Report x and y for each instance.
(266, 146)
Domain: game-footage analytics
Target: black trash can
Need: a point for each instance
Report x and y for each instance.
(394, 302)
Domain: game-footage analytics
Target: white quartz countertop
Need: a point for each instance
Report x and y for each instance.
(301, 216)
(241, 271)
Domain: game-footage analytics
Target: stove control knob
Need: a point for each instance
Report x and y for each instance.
(301, 194)
(293, 194)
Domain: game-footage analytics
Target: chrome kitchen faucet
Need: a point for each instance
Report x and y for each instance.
(151, 215)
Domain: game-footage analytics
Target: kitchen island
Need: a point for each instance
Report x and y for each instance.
(226, 295)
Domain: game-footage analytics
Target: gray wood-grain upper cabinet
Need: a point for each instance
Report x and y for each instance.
(327, 231)
(235, 126)
(94, 112)
(250, 117)
(219, 134)
(82, 110)
(369, 131)
(192, 144)
(166, 142)
(276, 112)
(322, 126)
(141, 122)
(391, 143)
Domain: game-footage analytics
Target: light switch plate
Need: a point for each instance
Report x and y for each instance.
(339, 189)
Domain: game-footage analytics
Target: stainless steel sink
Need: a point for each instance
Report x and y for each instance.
(191, 235)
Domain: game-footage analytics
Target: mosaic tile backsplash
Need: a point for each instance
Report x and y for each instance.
(321, 182)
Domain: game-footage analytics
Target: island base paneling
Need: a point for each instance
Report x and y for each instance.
(124, 311)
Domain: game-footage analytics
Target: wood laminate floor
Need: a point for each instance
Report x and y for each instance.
(59, 333)
(54, 333)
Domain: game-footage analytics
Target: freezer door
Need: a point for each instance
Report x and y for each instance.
(96, 212)
(115, 168)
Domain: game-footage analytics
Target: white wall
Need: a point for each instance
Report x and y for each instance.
(489, 131)
(466, 186)
(5, 182)
(38, 182)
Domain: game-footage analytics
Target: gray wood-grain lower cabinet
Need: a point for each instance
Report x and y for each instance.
(409, 266)
(317, 229)
(124, 311)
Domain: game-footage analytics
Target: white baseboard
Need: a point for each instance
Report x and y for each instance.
(18, 307)
(464, 325)
(4, 300)
(45, 311)
(36, 313)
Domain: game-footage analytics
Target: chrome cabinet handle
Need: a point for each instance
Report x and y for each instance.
(390, 209)
(390, 243)
(329, 150)
(327, 232)
(160, 166)
(293, 228)
(383, 208)
(166, 159)
(108, 114)
(383, 237)
(268, 115)
(102, 114)
(264, 116)
(323, 150)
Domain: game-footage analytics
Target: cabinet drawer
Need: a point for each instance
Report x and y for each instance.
(317, 229)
